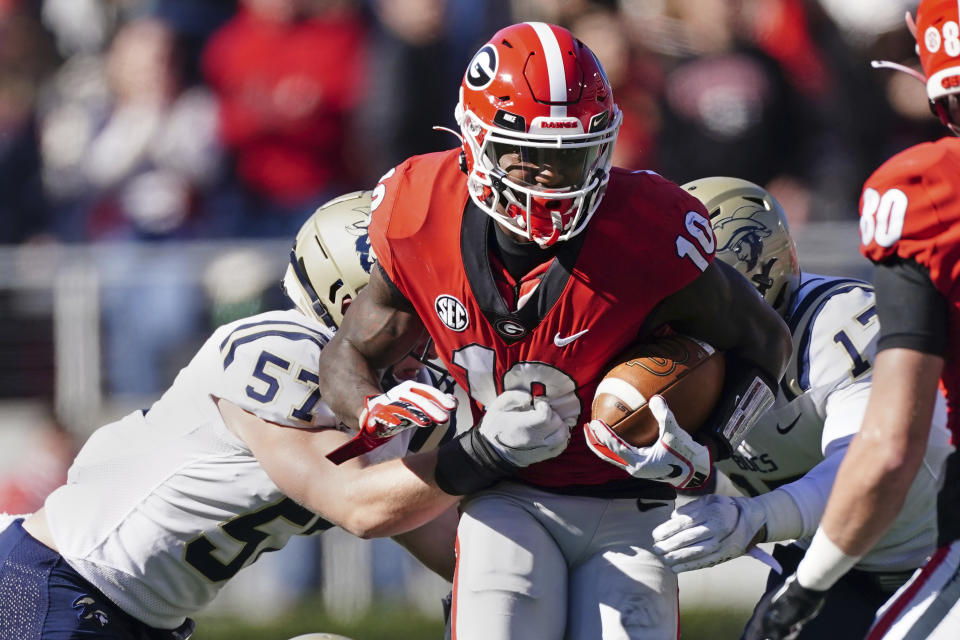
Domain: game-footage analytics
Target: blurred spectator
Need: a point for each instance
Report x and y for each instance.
(130, 154)
(419, 49)
(80, 26)
(239, 283)
(635, 77)
(287, 74)
(26, 59)
(127, 149)
(562, 12)
(726, 106)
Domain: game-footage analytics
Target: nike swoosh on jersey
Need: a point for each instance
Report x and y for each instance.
(562, 342)
(786, 429)
(643, 505)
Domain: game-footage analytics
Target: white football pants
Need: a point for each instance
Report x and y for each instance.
(533, 564)
(927, 607)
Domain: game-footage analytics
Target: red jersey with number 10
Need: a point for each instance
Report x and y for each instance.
(648, 239)
(910, 208)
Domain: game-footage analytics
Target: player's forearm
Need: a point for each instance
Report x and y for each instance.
(760, 337)
(394, 497)
(868, 493)
(886, 453)
(345, 379)
(867, 496)
(809, 493)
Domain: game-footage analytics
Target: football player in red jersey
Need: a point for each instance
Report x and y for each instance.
(531, 264)
(910, 229)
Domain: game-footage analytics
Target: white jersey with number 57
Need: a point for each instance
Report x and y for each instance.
(164, 506)
(799, 443)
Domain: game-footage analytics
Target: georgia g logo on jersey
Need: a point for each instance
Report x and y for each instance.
(483, 68)
(451, 312)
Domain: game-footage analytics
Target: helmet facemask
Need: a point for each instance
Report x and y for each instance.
(543, 187)
(538, 124)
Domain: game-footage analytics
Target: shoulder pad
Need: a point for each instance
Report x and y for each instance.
(910, 201)
(406, 194)
(834, 327)
(269, 368)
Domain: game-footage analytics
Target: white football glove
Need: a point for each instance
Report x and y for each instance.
(709, 530)
(675, 458)
(409, 404)
(516, 431)
(523, 429)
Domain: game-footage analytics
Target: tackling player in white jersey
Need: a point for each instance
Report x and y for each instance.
(788, 462)
(164, 506)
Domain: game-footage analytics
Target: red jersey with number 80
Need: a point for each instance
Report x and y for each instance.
(910, 208)
(647, 239)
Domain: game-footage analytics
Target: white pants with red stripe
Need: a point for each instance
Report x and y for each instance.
(533, 564)
(927, 607)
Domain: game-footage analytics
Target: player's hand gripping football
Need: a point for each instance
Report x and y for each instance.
(781, 614)
(409, 404)
(707, 531)
(675, 458)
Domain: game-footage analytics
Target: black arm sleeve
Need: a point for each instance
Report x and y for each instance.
(912, 313)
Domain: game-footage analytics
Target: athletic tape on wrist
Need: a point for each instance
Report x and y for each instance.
(781, 515)
(824, 563)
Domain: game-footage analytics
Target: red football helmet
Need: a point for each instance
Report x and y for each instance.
(938, 43)
(539, 124)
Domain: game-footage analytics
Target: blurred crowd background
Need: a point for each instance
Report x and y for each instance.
(158, 156)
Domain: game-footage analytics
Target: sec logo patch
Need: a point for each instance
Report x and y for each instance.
(451, 312)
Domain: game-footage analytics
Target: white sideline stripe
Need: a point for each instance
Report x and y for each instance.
(627, 393)
(554, 57)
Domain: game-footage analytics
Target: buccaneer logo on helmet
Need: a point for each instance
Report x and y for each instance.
(538, 125)
(752, 235)
(744, 237)
(331, 259)
(359, 229)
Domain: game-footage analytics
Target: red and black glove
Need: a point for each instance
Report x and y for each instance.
(407, 405)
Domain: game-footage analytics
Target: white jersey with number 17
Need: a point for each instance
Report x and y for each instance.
(799, 443)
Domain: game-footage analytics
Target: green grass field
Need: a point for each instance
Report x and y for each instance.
(393, 624)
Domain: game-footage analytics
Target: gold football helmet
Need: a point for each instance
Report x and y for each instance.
(752, 235)
(331, 258)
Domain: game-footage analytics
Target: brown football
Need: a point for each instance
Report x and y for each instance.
(686, 372)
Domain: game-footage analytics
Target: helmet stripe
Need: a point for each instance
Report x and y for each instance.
(555, 71)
